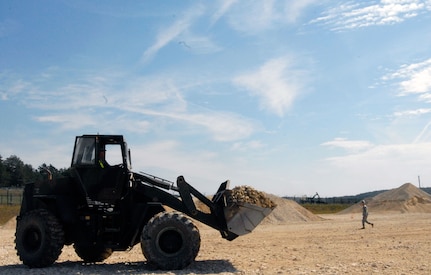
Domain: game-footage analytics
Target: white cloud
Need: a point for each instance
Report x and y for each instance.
(424, 135)
(412, 78)
(160, 91)
(166, 35)
(70, 121)
(101, 103)
(199, 44)
(253, 16)
(425, 97)
(170, 159)
(413, 113)
(223, 126)
(274, 83)
(349, 145)
(387, 158)
(256, 16)
(247, 146)
(352, 15)
(419, 82)
(11, 87)
(385, 166)
(225, 5)
(294, 9)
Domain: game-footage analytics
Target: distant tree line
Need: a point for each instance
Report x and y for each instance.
(15, 173)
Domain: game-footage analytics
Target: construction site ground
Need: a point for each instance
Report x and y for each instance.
(336, 244)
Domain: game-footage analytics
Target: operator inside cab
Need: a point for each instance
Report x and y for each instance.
(102, 158)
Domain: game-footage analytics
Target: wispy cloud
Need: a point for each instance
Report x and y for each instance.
(12, 86)
(199, 44)
(383, 164)
(166, 35)
(105, 102)
(70, 121)
(295, 9)
(224, 6)
(248, 146)
(275, 83)
(413, 113)
(412, 78)
(353, 15)
(223, 126)
(257, 16)
(170, 158)
(424, 135)
(349, 145)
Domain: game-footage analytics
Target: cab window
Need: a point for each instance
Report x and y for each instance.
(85, 151)
(113, 154)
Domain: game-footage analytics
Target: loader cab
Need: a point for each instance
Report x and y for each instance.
(101, 165)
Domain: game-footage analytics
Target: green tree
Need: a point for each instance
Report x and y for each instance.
(15, 173)
(14, 167)
(3, 175)
(28, 173)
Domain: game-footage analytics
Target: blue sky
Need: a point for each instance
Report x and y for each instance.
(290, 97)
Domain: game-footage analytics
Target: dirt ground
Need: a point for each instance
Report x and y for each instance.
(397, 244)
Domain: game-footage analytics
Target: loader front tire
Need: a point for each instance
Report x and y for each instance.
(39, 238)
(170, 241)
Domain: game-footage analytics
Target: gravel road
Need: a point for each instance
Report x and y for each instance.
(398, 244)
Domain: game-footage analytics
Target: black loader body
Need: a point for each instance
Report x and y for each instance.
(103, 207)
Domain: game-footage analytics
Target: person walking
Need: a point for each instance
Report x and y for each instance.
(365, 215)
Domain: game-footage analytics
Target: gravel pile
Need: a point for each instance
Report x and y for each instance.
(247, 194)
(405, 199)
(288, 211)
(284, 210)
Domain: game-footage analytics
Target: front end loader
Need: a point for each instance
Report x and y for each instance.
(102, 207)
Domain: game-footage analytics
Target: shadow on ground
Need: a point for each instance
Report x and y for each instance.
(68, 267)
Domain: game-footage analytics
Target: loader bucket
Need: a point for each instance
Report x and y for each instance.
(242, 218)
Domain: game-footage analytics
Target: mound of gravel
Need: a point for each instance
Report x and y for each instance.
(247, 194)
(405, 199)
(284, 210)
(288, 211)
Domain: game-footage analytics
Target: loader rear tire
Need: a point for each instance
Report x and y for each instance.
(92, 253)
(39, 238)
(170, 241)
